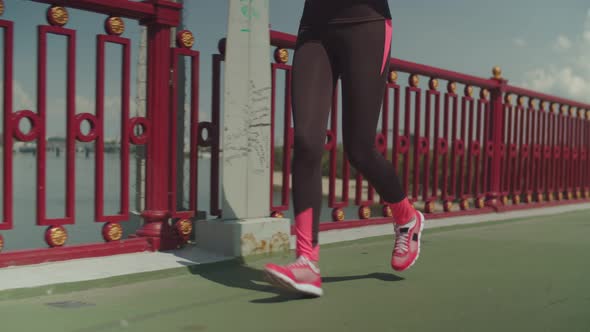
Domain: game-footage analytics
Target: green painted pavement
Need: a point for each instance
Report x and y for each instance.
(526, 275)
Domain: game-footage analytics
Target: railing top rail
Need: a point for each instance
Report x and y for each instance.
(281, 39)
(285, 40)
(434, 72)
(544, 97)
(124, 8)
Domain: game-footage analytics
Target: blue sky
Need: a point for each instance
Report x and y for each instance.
(539, 44)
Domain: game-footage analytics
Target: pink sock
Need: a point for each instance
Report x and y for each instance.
(303, 230)
(403, 212)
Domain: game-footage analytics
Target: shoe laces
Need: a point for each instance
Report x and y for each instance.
(402, 234)
(303, 262)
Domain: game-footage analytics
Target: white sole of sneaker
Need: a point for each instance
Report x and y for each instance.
(419, 242)
(282, 281)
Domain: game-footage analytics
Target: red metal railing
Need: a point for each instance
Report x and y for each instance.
(154, 131)
(458, 151)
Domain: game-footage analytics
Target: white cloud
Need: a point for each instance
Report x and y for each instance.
(519, 42)
(562, 43)
(570, 77)
(562, 81)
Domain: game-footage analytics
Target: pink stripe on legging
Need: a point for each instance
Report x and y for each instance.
(303, 229)
(386, 52)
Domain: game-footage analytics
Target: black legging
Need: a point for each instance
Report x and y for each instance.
(355, 53)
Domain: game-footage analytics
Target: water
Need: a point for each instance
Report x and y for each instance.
(27, 235)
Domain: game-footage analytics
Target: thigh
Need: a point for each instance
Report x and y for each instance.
(312, 85)
(364, 52)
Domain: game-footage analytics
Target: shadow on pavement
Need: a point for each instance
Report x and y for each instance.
(236, 274)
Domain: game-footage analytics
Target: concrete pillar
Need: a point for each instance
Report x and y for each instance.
(246, 227)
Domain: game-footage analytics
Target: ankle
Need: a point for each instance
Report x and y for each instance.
(403, 212)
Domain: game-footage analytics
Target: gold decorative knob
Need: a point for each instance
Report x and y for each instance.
(281, 55)
(112, 232)
(1, 7)
(484, 93)
(185, 39)
(497, 72)
(414, 80)
(277, 214)
(447, 206)
(57, 15)
(184, 227)
(337, 214)
(452, 87)
(56, 236)
(115, 25)
(392, 76)
(564, 109)
(387, 213)
(364, 212)
(433, 84)
(572, 111)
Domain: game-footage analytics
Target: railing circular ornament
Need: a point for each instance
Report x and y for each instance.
(1, 12)
(505, 200)
(463, 204)
(57, 16)
(497, 72)
(433, 84)
(480, 202)
(564, 109)
(516, 199)
(277, 214)
(429, 207)
(387, 213)
(452, 87)
(364, 212)
(392, 76)
(112, 232)
(448, 206)
(572, 111)
(185, 38)
(281, 55)
(414, 80)
(56, 236)
(484, 94)
(337, 214)
(184, 228)
(531, 102)
(114, 25)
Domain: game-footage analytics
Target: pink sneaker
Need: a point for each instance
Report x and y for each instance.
(407, 243)
(301, 276)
